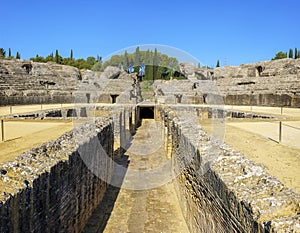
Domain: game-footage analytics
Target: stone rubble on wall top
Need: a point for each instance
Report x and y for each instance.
(30, 164)
(264, 196)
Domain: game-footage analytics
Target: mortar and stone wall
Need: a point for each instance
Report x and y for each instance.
(233, 194)
(267, 83)
(50, 188)
(27, 82)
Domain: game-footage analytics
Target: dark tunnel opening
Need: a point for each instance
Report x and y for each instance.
(146, 112)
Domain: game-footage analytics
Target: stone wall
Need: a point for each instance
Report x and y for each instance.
(27, 82)
(177, 92)
(222, 191)
(51, 188)
(268, 83)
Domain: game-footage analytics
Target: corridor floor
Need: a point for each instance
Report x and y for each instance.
(146, 200)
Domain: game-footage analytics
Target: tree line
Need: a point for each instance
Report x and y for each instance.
(9, 56)
(91, 63)
(157, 65)
(294, 54)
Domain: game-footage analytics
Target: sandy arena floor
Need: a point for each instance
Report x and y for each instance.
(291, 112)
(30, 108)
(20, 136)
(290, 135)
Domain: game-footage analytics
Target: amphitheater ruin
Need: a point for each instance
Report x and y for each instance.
(83, 151)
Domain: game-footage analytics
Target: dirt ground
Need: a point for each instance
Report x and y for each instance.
(281, 160)
(295, 112)
(6, 110)
(146, 200)
(290, 131)
(22, 135)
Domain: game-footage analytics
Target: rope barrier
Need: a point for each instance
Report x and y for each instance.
(291, 126)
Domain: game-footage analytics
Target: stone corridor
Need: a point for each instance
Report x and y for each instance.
(146, 202)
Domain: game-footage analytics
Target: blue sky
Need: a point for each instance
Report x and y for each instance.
(233, 31)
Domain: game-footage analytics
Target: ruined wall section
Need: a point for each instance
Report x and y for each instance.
(27, 82)
(234, 195)
(268, 83)
(50, 188)
(177, 92)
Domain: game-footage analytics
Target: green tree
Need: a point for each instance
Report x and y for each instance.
(99, 58)
(9, 52)
(147, 59)
(81, 64)
(18, 56)
(2, 53)
(97, 66)
(290, 53)
(38, 59)
(155, 65)
(49, 58)
(91, 61)
(71, 55)
(218, 64)
(56, 56)
(126, 60)
(137, 58)
(296, 53)
(280, 55)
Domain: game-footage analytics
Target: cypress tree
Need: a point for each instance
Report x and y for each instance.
(71, 55)
(218, 64)
(148, 65)
(296, 53)
(155, 64)
(291, 53)
(137, 57)
(56, 56)
(9, 52)
(126, 60)
(18, 56)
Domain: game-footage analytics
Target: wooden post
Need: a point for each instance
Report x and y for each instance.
(280, 130)
(2, 130)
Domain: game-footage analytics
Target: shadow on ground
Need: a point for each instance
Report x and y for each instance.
(101, 214)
